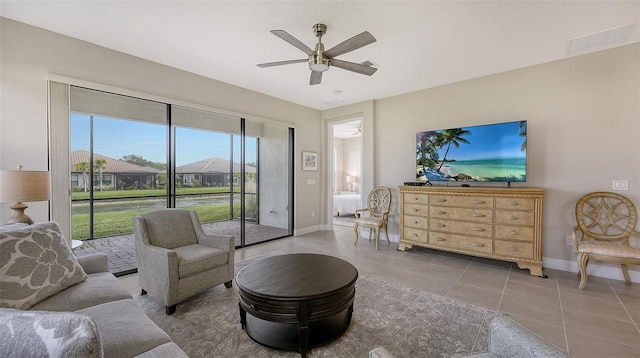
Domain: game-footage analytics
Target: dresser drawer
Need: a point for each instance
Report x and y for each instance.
(416, 210)
(479, 215)
(466, 201)
(419, 222)
(461, 242)
(515, 203)
(520, 233)
(513, 217)
(513, 249)
(461, 227)
(411, 198)
(415, 235)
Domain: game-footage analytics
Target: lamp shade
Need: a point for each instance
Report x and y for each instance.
(349, 179)
(23, 185)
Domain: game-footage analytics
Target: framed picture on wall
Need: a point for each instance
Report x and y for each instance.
(309, 161)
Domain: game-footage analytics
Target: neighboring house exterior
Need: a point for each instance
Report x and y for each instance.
(116, 174)
(211, 172)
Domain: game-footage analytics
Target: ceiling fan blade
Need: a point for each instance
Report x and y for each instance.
(316, 77)
(280, 63)
(352, 66)
(292, 40)
(351, 44)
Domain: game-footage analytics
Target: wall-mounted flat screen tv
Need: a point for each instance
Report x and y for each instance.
(483, 153)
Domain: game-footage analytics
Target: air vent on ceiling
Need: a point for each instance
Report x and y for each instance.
(334, 103)
(599, 40)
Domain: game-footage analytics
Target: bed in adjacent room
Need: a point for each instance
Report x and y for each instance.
(346, 204)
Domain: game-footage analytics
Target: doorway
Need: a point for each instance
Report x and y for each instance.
(346, 169)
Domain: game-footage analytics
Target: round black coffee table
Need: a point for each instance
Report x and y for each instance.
(296, 301)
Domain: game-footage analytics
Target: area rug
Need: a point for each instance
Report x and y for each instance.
(406, 321)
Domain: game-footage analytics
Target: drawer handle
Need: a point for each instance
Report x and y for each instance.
(478, 215)
(440, 200)
(440, 225)
(514, 233)
(441, 212)
(416, 198)
(440, 239)
(514, 218)
(515, 203)
(477, 244)
(415, 221)
(479, 229)
(415, 234)
(416, 210)
(478, 201)
(513, 249)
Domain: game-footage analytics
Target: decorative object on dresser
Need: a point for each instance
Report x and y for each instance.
(23, 185)
(497, 223)
(606, 221)
(377, 214)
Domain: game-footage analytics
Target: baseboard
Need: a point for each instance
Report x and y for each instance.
(307, 230)
(595, 268)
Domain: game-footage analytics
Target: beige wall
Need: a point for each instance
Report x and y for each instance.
(30, 55)
(583, 115)
(583, 131)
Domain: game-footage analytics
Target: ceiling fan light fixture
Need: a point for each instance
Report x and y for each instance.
(318, 64)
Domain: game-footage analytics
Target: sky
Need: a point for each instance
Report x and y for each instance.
(115, 138)
(499, 140)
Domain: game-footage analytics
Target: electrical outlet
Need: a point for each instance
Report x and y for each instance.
(569, 239)
(313, 214)
(620, 184)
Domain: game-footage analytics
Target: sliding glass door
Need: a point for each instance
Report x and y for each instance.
(129, 156)
(117, 160)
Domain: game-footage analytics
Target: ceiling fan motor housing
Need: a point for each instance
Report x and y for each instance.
(318, 61)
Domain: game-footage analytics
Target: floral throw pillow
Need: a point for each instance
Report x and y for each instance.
(35, 263)
(48, 334)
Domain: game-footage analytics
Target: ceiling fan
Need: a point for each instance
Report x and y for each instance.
(320, 60)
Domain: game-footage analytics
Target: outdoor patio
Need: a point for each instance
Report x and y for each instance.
(121, 250)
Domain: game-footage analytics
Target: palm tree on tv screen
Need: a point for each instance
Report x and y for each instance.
(455, 136)
(522, 132)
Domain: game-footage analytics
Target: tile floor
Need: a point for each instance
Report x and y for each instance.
(603, 320)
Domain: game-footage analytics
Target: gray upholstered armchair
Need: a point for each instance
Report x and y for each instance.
(176, 259)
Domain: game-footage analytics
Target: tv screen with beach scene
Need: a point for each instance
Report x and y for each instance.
(483, 153)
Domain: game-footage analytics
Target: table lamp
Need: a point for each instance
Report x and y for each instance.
(23, 185)
(350, 182)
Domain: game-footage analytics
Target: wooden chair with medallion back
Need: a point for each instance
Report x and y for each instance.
(377, 214)
(606, 221)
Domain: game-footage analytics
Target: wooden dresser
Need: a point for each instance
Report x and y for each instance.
(497, 223)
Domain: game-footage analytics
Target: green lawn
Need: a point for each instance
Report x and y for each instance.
(121, 222)
(114, 194)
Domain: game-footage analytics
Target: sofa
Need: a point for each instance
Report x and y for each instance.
(54, 304)
(507, 338)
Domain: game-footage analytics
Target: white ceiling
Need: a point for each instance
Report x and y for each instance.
(420, 44)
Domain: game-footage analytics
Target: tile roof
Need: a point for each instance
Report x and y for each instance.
(113, 165)
(212, 165)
